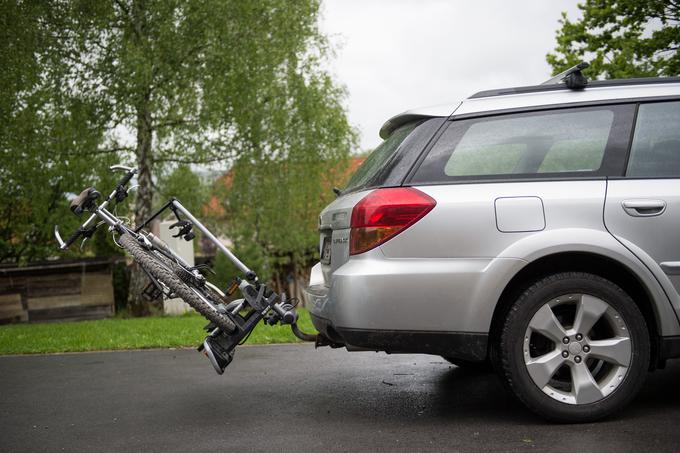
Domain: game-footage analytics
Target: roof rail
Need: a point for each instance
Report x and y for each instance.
(573, 78)
(560, 86)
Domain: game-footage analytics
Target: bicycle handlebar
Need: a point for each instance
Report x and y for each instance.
(73, 238)
(126, 179)
(130, 173)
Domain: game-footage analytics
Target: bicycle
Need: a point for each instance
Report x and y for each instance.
(171, 276)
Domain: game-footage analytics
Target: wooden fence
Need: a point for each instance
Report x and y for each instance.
(59, 290)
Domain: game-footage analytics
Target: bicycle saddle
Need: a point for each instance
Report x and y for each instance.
(83, 201)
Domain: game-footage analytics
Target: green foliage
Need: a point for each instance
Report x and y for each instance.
(273, 208)
(621, 39)
(46, 139)
(185, 185)
(162, 83)
(285, 174)
(225, 271)
(196, 76)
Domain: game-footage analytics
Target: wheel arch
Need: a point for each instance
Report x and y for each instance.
(581, 261)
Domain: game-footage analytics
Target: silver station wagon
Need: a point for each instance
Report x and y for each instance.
(535, 229)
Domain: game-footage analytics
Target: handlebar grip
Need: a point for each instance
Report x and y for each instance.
(73, 238)
(126, 179)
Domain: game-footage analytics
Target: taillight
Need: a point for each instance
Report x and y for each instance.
(384, 213)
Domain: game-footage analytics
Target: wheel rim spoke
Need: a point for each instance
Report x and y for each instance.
(613, 350)
(588, 311)
(541, 369)
(545, 323)
(584, 387)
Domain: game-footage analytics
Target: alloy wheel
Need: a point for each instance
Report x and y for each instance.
(577, 349)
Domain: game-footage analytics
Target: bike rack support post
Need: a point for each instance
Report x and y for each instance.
(237, 262)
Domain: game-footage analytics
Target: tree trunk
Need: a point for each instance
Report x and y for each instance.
(137, 304)
(138, 279)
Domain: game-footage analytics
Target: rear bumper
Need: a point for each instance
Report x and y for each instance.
(460, 345)
(370, 292)
(435, 306)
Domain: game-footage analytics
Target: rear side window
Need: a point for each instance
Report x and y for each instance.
(391, 161)
(565, 142)
(655, 150)
(378, 158)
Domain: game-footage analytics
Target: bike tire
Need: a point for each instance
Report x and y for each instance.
(161, 272)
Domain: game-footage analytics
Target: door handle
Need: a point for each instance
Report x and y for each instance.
(644, 208)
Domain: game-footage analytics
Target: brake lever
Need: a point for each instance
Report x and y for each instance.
(82, 244)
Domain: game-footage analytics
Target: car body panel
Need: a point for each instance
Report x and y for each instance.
(463, 224)
(653, 236)
(464, 267)
(387, 294)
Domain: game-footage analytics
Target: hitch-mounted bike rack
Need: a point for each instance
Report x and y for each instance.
(258, 303)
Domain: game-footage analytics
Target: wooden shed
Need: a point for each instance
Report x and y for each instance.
(57, 290)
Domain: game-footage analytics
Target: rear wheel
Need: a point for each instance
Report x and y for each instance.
(164, 273)
(574, 347)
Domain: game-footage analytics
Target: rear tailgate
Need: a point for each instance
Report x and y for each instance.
(334, 228)
(386, 166)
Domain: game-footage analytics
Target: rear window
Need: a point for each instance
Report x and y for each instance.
(535, 144)
(378, 158)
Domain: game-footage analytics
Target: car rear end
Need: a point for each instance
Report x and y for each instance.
(357, 296)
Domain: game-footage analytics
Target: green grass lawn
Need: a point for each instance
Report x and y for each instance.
(133, 333)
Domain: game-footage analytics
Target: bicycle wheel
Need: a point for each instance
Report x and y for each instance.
(160, 270)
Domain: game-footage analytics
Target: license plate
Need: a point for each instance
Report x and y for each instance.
(326, 251)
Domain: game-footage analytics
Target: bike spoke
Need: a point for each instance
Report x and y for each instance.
(545, 323)
(588, 311)
(542, 368)
(614, 350)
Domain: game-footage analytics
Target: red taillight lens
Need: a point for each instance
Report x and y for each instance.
(384, 213)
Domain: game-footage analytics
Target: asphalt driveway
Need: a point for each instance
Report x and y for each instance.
(295, 398)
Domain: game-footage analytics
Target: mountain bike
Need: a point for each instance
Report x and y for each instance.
(171, 276)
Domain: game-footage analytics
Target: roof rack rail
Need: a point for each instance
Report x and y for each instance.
(560, 86)
(573, 78)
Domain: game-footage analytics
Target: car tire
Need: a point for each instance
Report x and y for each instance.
(584, 376)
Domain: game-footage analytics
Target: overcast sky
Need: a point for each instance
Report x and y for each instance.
(397, 55)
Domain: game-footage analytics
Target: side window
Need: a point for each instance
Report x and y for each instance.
(565, 142)
(655, 150)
